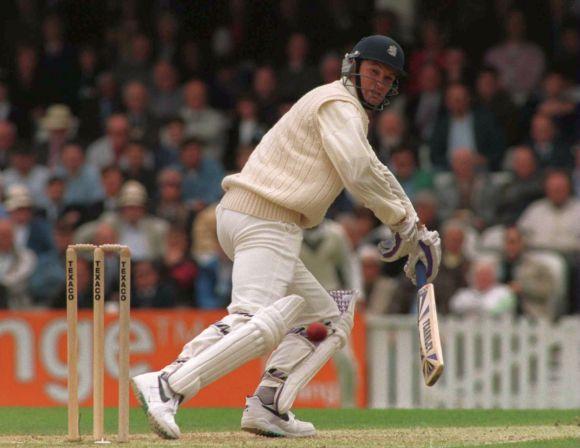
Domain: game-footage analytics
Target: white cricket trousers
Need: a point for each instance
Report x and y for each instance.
(267, 266)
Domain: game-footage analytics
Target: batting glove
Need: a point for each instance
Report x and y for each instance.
(428, 250)
(402, 242)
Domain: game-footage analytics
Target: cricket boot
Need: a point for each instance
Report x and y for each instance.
(263, 420)
(159, 402)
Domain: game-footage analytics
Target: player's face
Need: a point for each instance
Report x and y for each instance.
(376, 80)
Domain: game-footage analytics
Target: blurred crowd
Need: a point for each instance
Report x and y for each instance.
(118, 121)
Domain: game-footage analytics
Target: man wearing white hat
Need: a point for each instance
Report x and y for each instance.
(143, 233)
(29, 230)
(24, 170)
(58, 125)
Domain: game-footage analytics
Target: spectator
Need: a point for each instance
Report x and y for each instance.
(456, 67)
(171, 137)
(166, 42)
(432, 51)
(426, 106)
(467, 191)
(531, 280)
(94, 112)
(552, 222)
(213, 284)
(522, 189)
(169, 204)
(111, 182)
(265, 89)
(135, 66)
(454, 266)
(47, 283)
(550, 149)
(59, 126)
(30, 231)
(410, 176)
(166, 97)
(108, 149)
(202, 176)
(566, 59)
(23, 170)
(557, 103)
(16, 266)
(329, 68)
(180, 268)
(136, 163)
(53, 198)
(190, 61)
(492, 97)
(485, 296)
(427, 207)
(88, 68)
(465, 127)
(142, 123)
(368, 226)
(8, 136)
(246, 129)
(150, 290)
(11, 113)
(226, 85)
(201, 121)
(143, 233)
(58, 63)
(519, 62)
(27, 84)
(83, 186)
(378, 289)
(298, 77)
(390, 134)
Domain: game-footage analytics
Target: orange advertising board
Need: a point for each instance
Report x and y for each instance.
(34, 371)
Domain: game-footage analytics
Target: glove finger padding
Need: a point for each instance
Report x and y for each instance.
(428, 250)
(394, 248)
(403, 241)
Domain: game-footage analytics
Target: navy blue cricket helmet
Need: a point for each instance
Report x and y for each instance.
(377, 48)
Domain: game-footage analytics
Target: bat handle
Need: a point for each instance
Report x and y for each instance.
(421, 274)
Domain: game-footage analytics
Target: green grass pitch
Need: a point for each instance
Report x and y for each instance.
(337, 428)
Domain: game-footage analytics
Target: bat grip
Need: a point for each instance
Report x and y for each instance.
(421, 274)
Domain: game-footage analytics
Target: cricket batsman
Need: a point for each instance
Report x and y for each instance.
(315, 150)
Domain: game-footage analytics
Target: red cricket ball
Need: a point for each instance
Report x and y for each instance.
(316, 332)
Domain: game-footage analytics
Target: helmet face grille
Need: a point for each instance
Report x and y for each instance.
(350, 67)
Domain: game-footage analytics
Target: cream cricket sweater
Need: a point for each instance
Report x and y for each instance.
(314, 151)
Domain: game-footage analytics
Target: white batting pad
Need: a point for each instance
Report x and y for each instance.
(304, 372)
(261, 334)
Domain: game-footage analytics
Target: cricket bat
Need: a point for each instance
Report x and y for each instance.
(429, 342)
